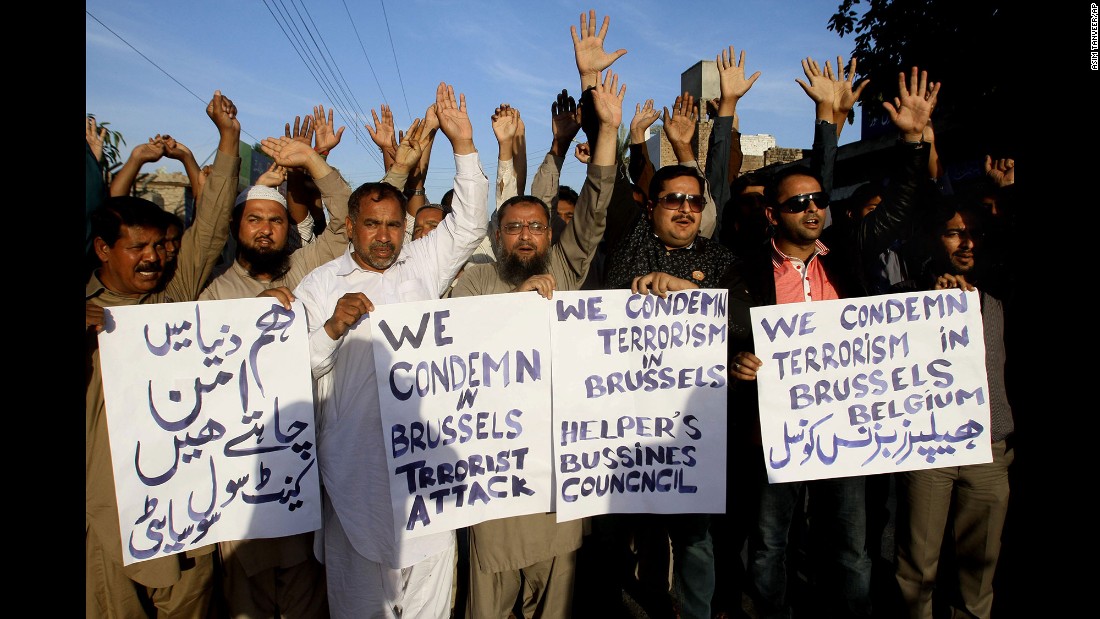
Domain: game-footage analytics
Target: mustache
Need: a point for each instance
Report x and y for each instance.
(683, 217)
(149, 266)
(381, 244)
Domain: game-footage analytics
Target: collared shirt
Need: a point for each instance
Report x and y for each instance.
(351, 449)
(797, 281)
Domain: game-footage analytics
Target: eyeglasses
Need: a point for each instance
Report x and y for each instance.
(514, 227)
(801, 202)
(673, 201)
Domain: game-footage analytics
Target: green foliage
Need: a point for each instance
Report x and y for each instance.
(961, 44)
(111, 156)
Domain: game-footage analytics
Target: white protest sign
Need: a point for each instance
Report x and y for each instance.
(464, 386)
(639, 402)
(210, 417)
(872, 385)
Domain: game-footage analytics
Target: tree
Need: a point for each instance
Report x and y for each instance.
(111, 157)
(968, 46)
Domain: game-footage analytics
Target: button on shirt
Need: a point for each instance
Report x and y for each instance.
(797, 281)
(351, 447)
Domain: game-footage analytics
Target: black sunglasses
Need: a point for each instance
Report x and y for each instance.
(801, 202)
(672, 201)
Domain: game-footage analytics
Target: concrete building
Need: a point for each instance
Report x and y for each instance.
(701, 82)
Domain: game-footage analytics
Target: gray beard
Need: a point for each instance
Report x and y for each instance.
(514, 270)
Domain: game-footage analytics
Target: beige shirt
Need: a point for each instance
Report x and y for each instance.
(200, 247)
(236, 283)
(508, 544)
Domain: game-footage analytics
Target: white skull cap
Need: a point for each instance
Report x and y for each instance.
(260, 192)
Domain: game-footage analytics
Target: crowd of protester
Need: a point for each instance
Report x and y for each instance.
(806, 549)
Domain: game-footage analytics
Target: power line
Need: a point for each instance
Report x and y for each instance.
(346, 89)
(335, 100)
(149, 60)
(329, 91)
(399, 78)
(379, 84)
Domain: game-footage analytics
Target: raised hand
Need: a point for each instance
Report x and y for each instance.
(565, 120)
(731, 78)
(273, 177)
(505, 123)
(326, 138)
(302, 131)
(383, 133)
(913, 106)
(96, 137)
(287, 152)
(150, 151)
(453, 119)
(680, 125)
(223, 112)
(588, 48)
(845, 92)
(431, 120)
(410, 148)
(820, 88)
(174, 149)
(1001, 171)
(583, 153)
(608, 104)
(644, 117)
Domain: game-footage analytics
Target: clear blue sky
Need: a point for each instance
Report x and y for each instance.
(515, 52)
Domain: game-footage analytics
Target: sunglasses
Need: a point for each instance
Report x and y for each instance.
(801, 202)
(672, 201)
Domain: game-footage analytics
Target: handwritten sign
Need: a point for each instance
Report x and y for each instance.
(872, 385)
(210, 418)
(639, 402)
(465, 396)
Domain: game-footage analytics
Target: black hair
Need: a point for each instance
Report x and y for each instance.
(516, 200)
(376, 192)
(670, 172)
(565, 192)
(118, 211)
(771, 189)
(746, 180)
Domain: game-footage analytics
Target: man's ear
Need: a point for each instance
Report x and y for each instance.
(102, 249)
(649, 210)
(769, 212)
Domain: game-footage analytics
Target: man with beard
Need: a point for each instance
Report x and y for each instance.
(369, 572)
(263, 577)
(796, 266)
(970, 501)
(534, 553)
(260, 225)
(129, 242)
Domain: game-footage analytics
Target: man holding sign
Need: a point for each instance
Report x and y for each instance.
(976, 494)
(129, 242)
(535, 548)
(370, 573)
(797, 267)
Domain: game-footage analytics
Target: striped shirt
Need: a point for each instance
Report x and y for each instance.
(797, 281)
